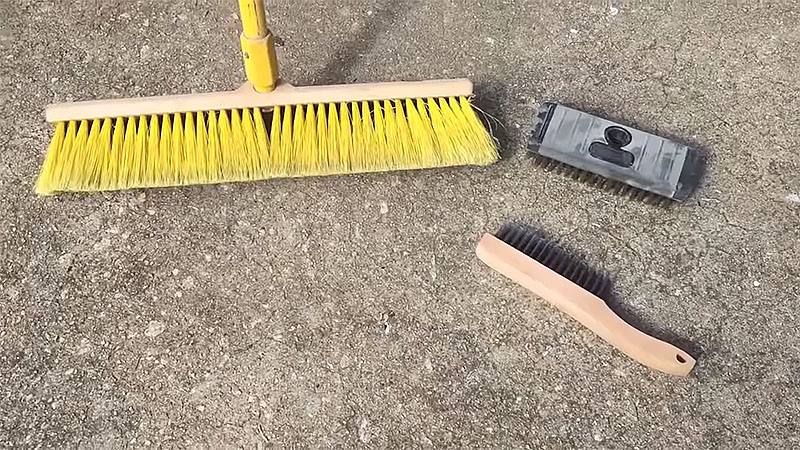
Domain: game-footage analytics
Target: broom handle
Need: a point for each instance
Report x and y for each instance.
(258, 46)
(254, 18)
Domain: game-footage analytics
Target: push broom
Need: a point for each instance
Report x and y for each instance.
(265, 129)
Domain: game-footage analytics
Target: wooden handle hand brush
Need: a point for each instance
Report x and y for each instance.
(266, 129)
(570, 286)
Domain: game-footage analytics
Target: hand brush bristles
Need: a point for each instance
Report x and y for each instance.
(249, 144)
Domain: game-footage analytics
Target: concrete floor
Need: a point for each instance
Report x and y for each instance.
(351, 311)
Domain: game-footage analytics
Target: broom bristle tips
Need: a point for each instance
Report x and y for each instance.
(250, 144)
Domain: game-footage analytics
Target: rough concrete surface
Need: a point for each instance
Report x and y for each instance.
(351, 312)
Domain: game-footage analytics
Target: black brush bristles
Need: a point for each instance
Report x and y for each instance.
(534, 245)
(598, 181)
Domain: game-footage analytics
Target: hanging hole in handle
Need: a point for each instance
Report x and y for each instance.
(681, 359)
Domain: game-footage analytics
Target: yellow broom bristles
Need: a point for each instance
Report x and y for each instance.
(239, 145)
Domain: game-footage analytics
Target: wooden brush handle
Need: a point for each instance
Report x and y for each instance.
(247, 97)
(583, 306)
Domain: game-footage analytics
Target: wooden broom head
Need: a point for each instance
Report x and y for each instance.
(244, 135)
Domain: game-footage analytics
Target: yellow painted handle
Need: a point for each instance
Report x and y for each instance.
(258, 46)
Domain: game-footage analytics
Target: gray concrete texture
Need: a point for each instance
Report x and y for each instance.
(351, 311)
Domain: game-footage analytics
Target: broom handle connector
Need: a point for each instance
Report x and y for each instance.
(258, 46)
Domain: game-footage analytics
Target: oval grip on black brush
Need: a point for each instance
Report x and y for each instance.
(616, 156)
